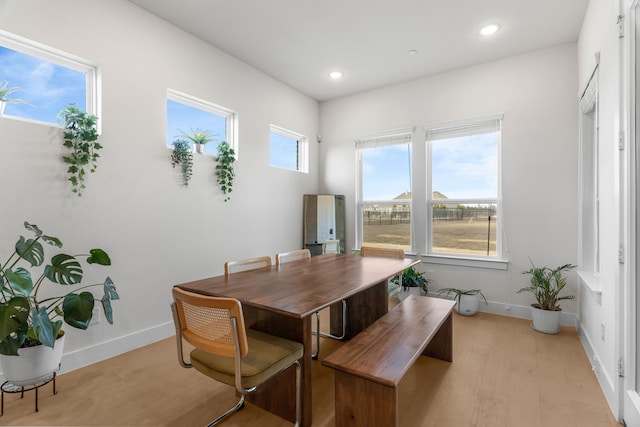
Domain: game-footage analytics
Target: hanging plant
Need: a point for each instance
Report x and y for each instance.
(81, 136)
(183, 156)
(224, 168)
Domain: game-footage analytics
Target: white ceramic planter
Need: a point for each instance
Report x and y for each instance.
(468, 304)
(199, 148)
(33, 365)
(545, 321)
(2, 105)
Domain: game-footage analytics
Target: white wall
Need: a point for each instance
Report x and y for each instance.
(600, 35)
(157, 232)
(537, 92)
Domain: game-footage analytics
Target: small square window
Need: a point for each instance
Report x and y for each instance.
(187, 116)
(287, 149)
(43, 81)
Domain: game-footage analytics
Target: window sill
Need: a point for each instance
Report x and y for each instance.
(591, 281)
(494, 264)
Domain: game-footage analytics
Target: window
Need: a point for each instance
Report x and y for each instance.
(287, 149)
(384, 190)
(463, 188)
(45, 80)
(589, 234)
(187, 115)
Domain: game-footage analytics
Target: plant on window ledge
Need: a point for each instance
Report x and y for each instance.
(224, 168)
(199, 137)
(81, 136)
(183, 156)
(5, 92)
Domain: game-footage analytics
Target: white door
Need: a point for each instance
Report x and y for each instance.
(630, 410)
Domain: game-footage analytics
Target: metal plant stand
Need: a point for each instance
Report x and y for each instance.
(7, 387)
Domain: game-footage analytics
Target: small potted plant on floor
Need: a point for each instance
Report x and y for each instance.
(467, 301)
(31, 336)
(411, 282)
(546, 284)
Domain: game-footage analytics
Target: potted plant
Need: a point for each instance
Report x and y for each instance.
(31, 324)
(199, 138)
(5, 92)
(183, 156)
(81, 136)
(224, 168)
(546, 284)
(467, 301)
(411, 282)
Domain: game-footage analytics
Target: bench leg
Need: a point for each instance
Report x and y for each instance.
(364, 403)
(441, 345)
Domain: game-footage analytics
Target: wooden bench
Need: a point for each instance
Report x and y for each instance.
(369, 367)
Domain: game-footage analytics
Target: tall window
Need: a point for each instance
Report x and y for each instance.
(463, 188)
(287, 149)
(43, 81)
(384, 190)
(188, 115)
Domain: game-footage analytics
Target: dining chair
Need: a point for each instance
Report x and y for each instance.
(331, 247)
(299, 254)
(385, 252)
(228, 352)
(295, 255)
(231, 267)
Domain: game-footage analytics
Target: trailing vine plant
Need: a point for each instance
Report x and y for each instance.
(183, 156)
(81, 136)
(224, 168)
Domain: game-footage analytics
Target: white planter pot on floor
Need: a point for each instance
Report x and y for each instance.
(33, 365)
(468, 304)
(545, 321)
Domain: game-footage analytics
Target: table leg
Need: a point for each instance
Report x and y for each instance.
(278, 394)
(363, 309)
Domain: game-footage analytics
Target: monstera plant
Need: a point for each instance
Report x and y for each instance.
(28, 319)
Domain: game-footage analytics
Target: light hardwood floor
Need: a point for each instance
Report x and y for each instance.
(504, 374)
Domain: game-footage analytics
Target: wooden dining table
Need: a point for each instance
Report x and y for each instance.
(282, 299)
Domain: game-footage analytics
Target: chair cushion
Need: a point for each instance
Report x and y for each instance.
(268, 355)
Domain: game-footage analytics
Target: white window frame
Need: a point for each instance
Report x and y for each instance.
(589, 183)
(449, 129)
(229, 115)
(58, 57)
(303, 148)
(377, 139)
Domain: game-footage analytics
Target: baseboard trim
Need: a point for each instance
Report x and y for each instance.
(105, 350)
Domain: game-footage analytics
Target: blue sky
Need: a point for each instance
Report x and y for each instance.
(283, 151)
(464, 167)
(46, 87)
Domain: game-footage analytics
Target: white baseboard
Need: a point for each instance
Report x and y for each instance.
(96, 353)
(605, 377)
(520, 311)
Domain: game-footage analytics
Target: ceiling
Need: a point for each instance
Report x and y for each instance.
(298, 42)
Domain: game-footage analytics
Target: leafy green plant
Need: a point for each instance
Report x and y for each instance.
(411, 279)
(183, 156)
(546, 284)
(224, 169)
(459, 292)
(198, 136)
(81, 137)
(6, 91)
(25, 318)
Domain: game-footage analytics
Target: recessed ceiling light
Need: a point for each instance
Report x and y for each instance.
(336, 75)
(488, 30)
(413, 52)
